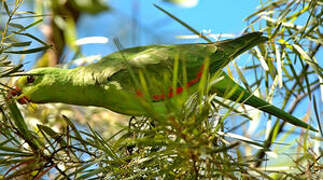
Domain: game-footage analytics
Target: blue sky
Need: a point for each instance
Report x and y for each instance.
(156, 27)
(219, 16)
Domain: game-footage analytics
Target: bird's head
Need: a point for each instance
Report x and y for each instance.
(36, 84)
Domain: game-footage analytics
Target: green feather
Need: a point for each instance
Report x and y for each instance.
(144, 74)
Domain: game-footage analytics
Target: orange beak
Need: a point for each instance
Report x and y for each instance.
(16, 91)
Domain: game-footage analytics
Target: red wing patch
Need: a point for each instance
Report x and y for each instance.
(179, 90)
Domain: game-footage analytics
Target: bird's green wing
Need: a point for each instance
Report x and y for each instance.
(157, 62)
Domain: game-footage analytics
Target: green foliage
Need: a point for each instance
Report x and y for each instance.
(197, 140)
(295, 46)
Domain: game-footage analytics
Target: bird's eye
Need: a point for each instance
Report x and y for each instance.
(30, 79)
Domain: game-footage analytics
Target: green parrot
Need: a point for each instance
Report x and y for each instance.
(147, 74)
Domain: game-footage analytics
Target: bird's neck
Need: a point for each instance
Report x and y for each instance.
(78, 87)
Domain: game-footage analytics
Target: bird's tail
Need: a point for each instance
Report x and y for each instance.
(227, 88)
